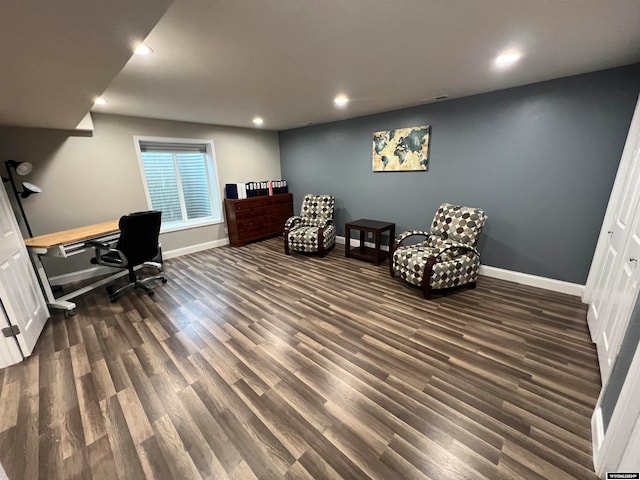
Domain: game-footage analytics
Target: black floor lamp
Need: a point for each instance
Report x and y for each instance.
(21, 168)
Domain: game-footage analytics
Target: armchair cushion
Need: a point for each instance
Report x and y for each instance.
(305, 239)
(449, 270)
(462, 224)
(317, 207)
(318, 222)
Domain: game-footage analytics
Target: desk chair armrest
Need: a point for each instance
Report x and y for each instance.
(101, 247)
(97, 244)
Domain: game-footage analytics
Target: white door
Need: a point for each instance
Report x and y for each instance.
(22, 299)
(9, 351)
(622, 296)
(616, 279)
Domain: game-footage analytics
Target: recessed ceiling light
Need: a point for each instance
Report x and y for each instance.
(341, 101)
(258, 121)
(99, 101)
(506, 59)
(142, 49)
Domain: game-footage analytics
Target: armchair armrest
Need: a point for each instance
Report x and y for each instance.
(325, 223)
(410, 233)
(101, 247)
(292, 222)
(398, 240)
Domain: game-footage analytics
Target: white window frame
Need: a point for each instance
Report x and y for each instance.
(212, 172)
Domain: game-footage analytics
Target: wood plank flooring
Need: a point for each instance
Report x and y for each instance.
(252, 364)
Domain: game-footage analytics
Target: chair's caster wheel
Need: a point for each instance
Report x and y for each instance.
(164, 280)
(114, 300)
(152, 293)
(110, 290)
(69, 313)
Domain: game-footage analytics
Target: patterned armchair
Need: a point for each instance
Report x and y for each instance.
(314, 229)
(447, 257)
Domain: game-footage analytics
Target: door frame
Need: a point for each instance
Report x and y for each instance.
(612, 206)
(3, 474)
(609, 447)
(10, 352)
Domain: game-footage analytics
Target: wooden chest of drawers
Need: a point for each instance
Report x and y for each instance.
(257, 218)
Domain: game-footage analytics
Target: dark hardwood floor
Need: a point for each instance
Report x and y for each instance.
(252, 364)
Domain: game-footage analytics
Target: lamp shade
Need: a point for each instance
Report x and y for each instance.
(29, 189)
(22, 168)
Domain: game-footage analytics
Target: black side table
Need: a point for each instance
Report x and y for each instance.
(376, 254)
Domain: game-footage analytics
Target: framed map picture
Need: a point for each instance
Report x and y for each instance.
(402, 149)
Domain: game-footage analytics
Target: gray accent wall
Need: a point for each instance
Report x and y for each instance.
(539, 159)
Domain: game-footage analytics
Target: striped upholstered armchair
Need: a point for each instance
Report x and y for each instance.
(447, 255)
(314, 229)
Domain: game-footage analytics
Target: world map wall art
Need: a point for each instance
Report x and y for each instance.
(402, 149)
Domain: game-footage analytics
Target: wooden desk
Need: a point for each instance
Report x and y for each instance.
(375, 254)
(64, 244)
(60, 244)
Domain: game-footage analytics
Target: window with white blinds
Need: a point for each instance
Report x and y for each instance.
(180, 181)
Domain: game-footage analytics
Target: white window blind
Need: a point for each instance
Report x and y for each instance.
(179, 182)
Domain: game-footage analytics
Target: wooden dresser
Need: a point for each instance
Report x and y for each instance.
(257, 218)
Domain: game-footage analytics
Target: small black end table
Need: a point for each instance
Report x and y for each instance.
(376, 254)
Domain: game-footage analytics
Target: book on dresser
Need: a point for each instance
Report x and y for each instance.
(257, 218)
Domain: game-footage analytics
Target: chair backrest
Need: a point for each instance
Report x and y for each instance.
(455, 222)
(317, 207)
(139, 234)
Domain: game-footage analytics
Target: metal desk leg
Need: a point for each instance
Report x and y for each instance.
(52, 302)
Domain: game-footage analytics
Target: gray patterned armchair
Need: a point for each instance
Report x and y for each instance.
(314, 229)
(447, 257)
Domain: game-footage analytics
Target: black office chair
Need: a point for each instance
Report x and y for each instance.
(138, 245)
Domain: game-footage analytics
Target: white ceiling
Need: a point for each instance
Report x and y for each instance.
(225, 61)
(57, 55)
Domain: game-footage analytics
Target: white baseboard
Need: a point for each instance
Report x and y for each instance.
(517, 277)
(178, 252)
(532, 280)
(80, 275)
(597, 435)
(101, 270)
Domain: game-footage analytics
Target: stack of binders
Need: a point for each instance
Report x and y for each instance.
(235, 190)
(255, 189)
(279, 186)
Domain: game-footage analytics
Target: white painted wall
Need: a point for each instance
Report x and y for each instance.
(96, 178)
